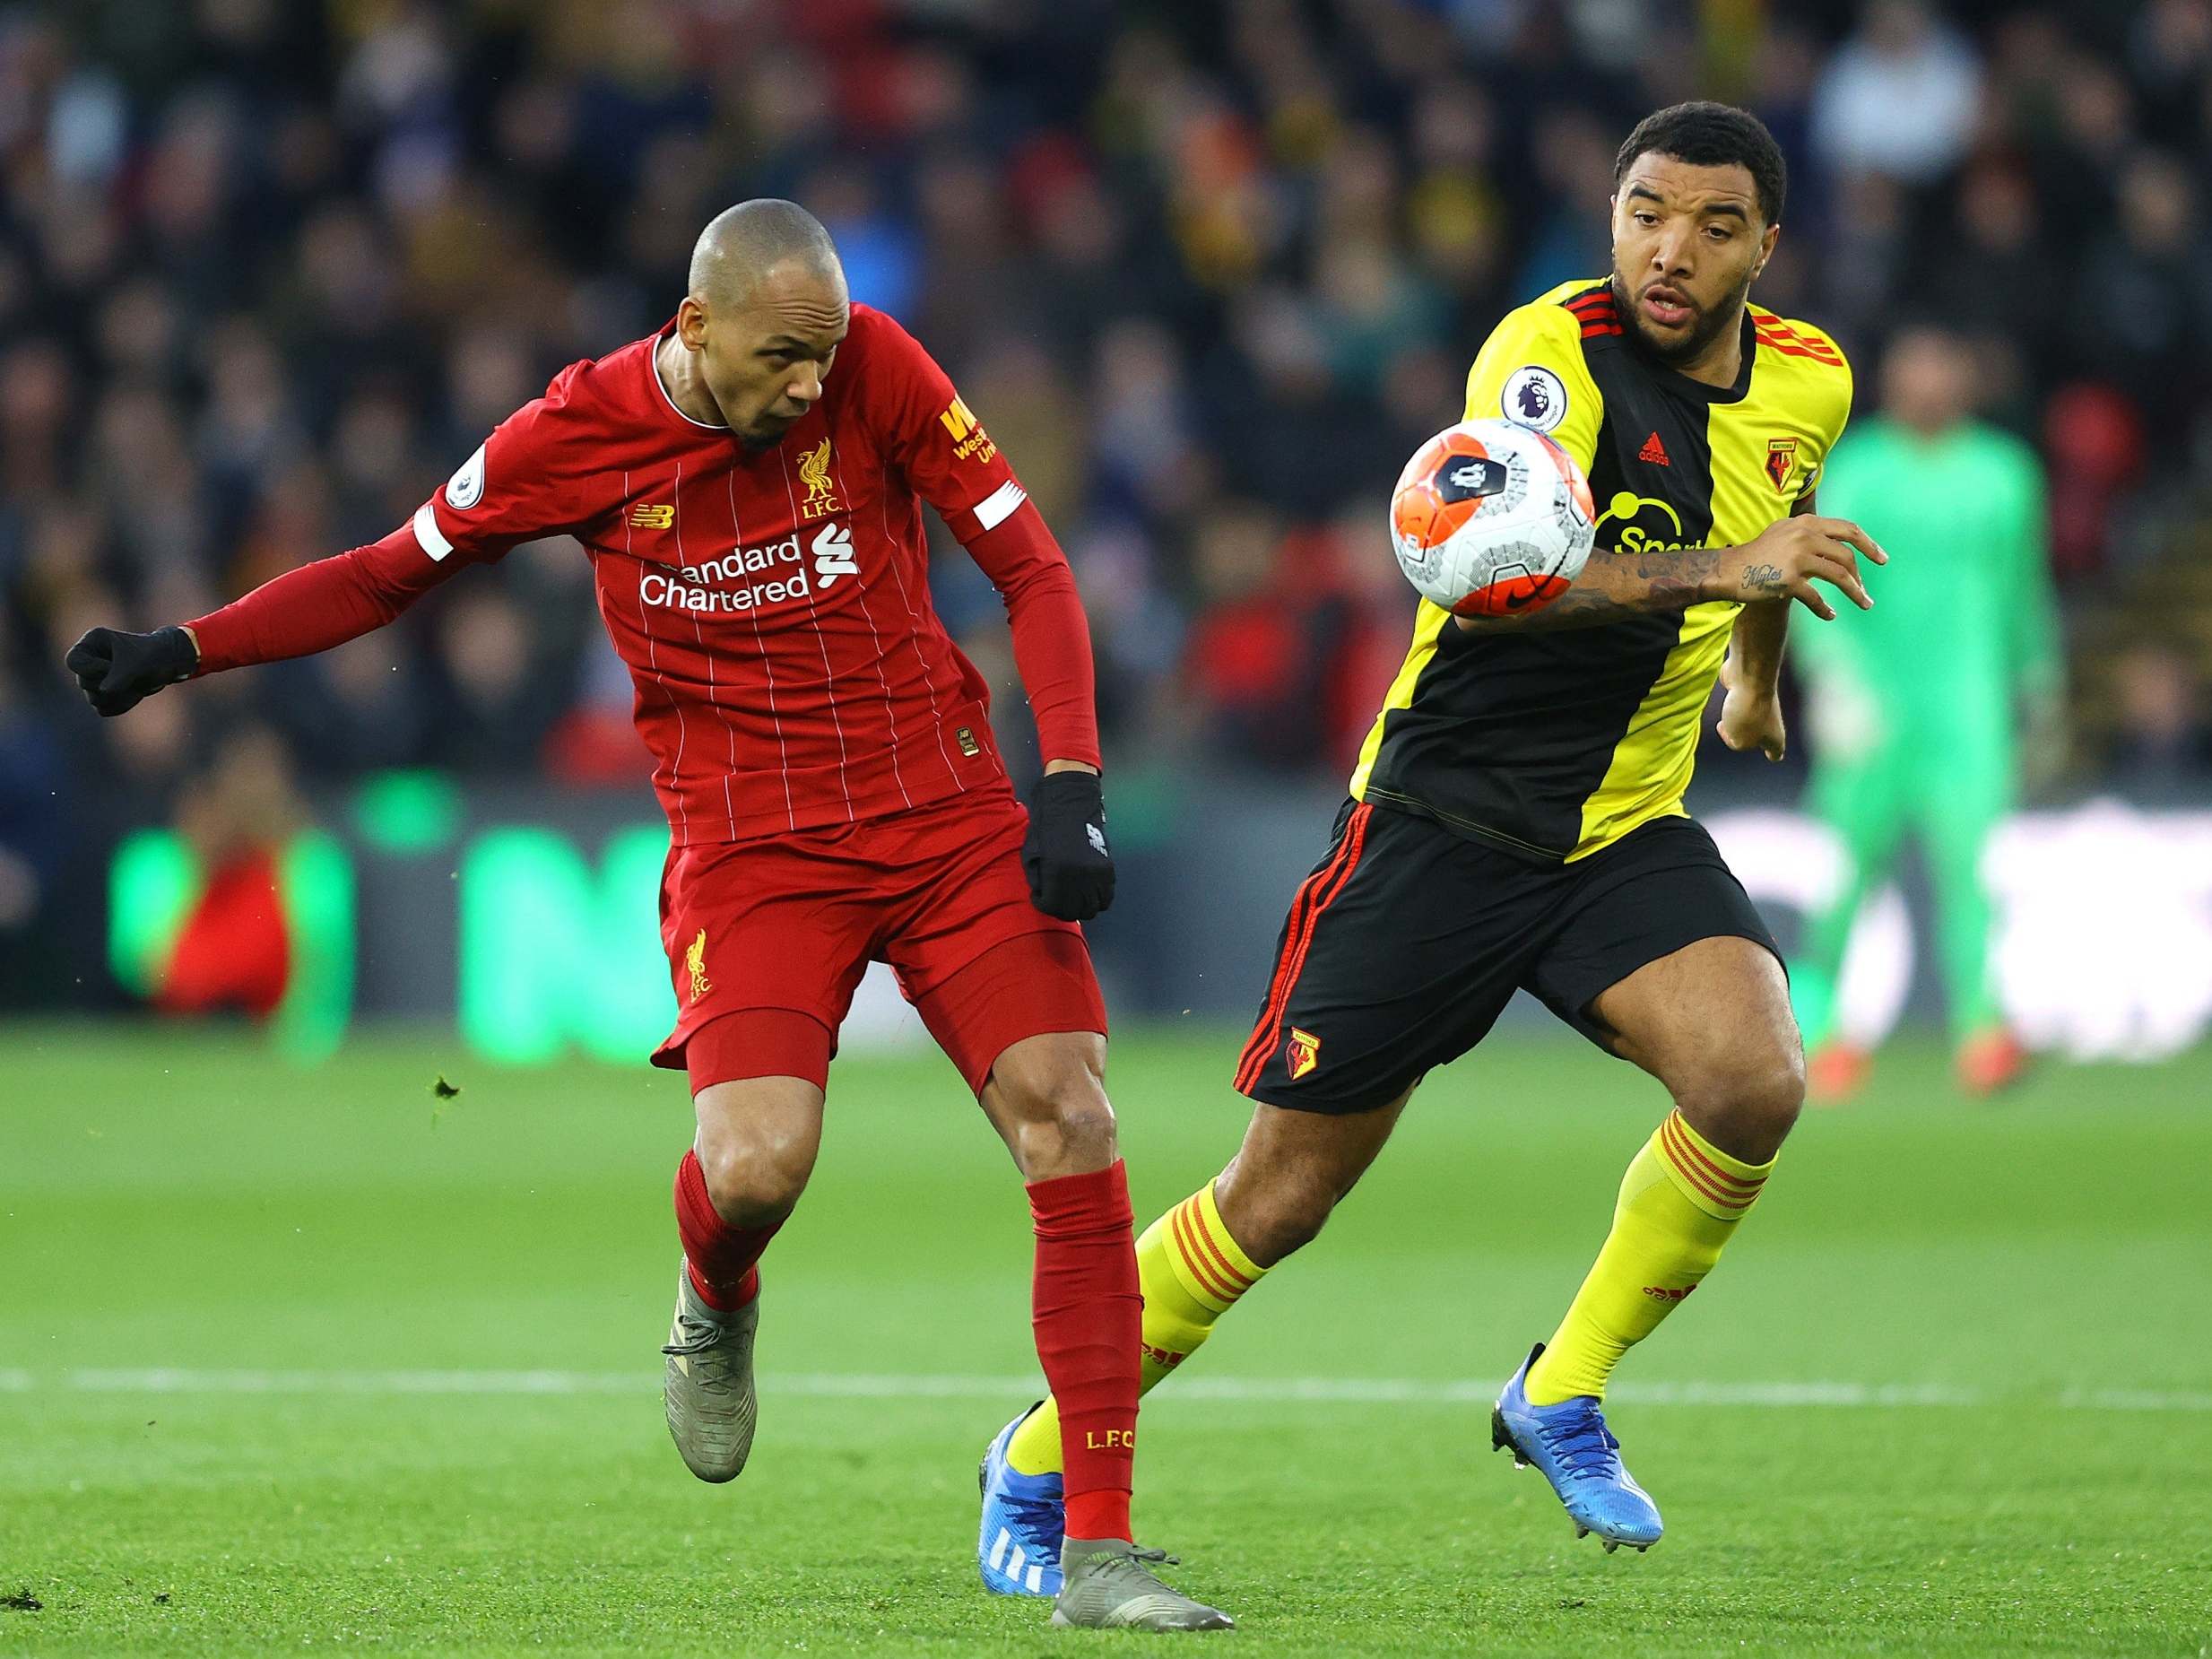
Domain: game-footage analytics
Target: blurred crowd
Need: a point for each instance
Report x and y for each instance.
(269, 269)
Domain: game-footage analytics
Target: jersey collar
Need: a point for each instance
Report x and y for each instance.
(653, 367)
(1698, 391)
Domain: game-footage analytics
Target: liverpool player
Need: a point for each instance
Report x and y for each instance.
(748, 485)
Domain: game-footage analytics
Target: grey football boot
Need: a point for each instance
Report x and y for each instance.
(1106, 1585)
(706, 1385)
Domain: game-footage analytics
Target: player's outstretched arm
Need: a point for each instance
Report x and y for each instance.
(1784, 562)
(300, 612)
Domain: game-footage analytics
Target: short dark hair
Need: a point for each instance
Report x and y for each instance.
(1710, 134)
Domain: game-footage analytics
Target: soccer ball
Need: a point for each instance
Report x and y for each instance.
(1490, 518)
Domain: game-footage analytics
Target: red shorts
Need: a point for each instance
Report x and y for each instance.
(777, 931)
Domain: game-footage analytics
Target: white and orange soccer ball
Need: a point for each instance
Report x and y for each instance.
(1490, 518)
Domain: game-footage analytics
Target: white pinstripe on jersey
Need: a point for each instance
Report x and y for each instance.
(829, 677)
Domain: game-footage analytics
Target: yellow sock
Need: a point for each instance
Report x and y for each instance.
(1680, 1202)
(1191, 1272)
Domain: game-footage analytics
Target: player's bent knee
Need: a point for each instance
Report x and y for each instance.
(1747, 1107)
(1069, 1131)
(1272, 1217)
(1047, 1095)
(1288, 1225)
(1088, 1137)
(756, 1148)
(752, 1184)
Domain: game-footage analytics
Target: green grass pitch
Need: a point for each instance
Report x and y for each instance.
(1951, 1392)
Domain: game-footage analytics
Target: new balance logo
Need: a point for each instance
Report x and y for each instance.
(647, 518)
(833, 555)
(1654, 452)
(1097, 839)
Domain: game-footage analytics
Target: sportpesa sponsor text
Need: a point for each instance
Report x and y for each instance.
(831, 550)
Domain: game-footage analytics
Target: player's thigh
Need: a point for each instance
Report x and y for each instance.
(1661, 959)
(1712, 1022)
(982, 966)
(1294, 1169)
(1399, 951)
(766, 943)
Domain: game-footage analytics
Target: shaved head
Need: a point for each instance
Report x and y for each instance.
(757, 333)
(743, 243)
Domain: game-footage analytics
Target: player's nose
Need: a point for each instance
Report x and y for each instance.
(807, 388)
(1672, 252)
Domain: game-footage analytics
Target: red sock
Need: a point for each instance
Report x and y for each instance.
(1089, 1315)
(720, 1256)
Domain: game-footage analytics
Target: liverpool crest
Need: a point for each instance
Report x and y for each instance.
(822, 494)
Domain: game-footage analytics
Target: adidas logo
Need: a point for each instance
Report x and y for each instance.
(1654, 452)
(1008, 1557)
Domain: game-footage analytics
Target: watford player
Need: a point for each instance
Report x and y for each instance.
(748, 485)
(1516, 817)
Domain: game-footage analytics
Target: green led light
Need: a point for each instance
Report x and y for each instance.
(407, 813)
(553, 955)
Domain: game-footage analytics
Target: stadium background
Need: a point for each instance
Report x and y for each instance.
(361, 1352)
(268, 271)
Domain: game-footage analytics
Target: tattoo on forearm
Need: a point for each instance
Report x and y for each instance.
(1616, 585)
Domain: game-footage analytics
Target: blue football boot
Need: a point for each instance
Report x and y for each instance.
(1024, 1520)
(1578, 1455)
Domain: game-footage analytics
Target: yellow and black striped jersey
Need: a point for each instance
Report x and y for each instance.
(1555, 744)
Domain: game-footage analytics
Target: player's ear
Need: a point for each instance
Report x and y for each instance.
(1772, 235)
(691, 324)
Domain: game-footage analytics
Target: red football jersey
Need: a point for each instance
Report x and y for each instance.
(773, 605)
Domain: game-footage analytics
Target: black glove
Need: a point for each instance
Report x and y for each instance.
(118, 670)
(1071, 872)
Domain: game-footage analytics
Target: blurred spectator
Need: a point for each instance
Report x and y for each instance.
(1251, 680)
(1898, 98)
(2095, 437)
(34, 835)
(2162, 744)
(231, 950)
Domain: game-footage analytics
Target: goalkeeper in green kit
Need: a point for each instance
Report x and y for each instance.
(1917, 710)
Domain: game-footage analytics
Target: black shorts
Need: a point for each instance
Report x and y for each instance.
(1403, 946)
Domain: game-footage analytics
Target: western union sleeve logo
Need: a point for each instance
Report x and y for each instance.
(970, 442)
